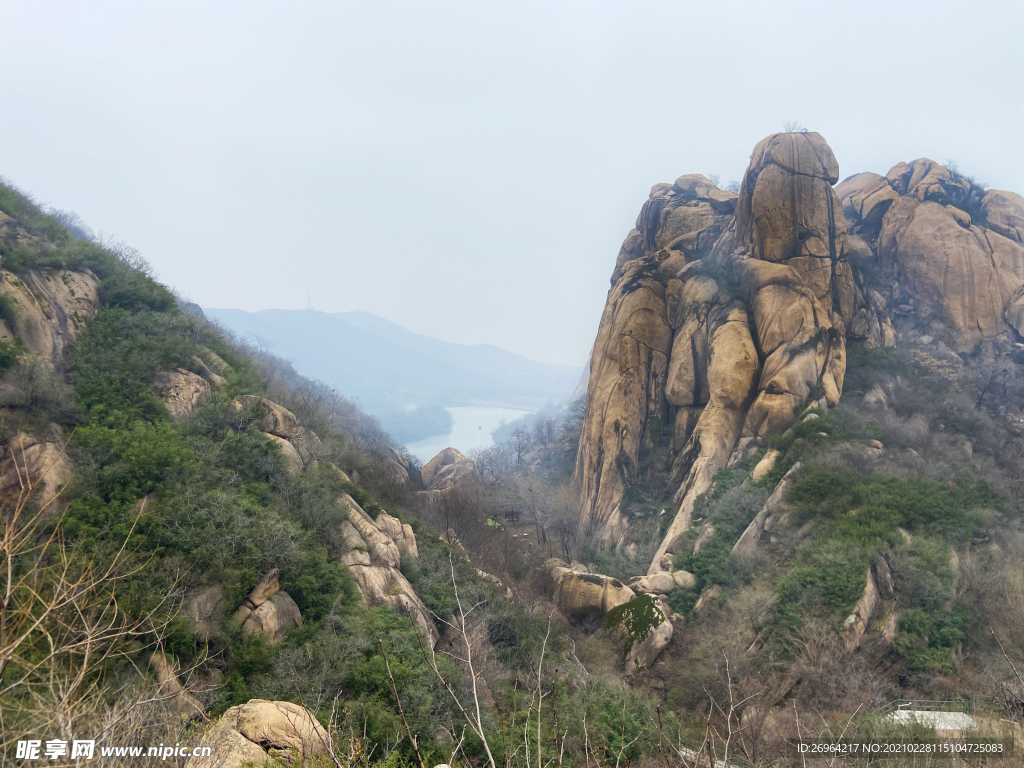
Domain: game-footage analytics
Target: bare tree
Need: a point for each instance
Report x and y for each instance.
(520, 442)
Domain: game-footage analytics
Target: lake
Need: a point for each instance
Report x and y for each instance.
(472, 429)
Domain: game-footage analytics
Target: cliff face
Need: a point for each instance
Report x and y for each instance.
(727, 313)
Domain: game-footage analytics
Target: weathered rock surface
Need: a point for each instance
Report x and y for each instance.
(39, 462)
(170, 694)
(375, 552)
(260, 732)
(728, 313)
(181, 390)
(269, 610)
(579, 593)
(857, 622)
(50, 309)
(446, 470)
(204, 609)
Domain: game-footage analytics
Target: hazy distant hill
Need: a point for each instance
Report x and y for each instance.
(387, 366)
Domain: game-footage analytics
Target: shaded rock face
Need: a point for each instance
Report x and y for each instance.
(728, 313)
(259, 732)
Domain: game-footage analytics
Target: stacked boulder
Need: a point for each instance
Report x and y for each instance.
(950, 254)
(268, 609)
(375, 552)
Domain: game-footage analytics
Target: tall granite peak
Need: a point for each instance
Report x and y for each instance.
(728, 314)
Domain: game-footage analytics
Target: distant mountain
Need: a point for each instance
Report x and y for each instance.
(387, 366)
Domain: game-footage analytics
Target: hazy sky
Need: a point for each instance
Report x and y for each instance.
(466, 169)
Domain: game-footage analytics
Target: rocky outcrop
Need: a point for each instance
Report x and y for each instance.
(269, 610)
(728, 313)
(856, 623)
(30, 462)
(771, 513)
(261, 732)
(300, 447)
(948, 254)
(182, 391)
(48, 308)
(446, 470)
(204, 608)
(170, 694)
(374, 556)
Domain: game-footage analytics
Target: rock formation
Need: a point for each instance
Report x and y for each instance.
(269, 610)
(32, 461)
(376, 549)
(299, 446)
(48, 308)
(729, 313)
(263, 732)
(449, 468)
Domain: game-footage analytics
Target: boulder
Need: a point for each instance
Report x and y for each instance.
(169, 692)
(51, 308)
(200, 367)
(866, 197)
(445, 458)
(764, 466)
(29, 461)
(645, 651)
(274, 618)
(260, 732)
(181, 390)
(586, 594)
(1004, 213)
(290, 456)
(654, 584)
(272, 418)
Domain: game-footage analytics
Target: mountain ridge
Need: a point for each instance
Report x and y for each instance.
(398, 366)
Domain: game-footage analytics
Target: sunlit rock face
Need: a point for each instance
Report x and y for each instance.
(728, 312)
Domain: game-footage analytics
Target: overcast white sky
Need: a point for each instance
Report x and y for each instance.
(466, 169)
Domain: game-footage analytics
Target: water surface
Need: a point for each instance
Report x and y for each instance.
(472, 429)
